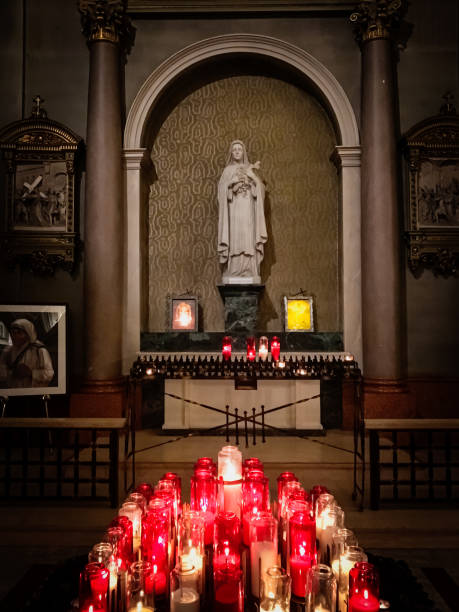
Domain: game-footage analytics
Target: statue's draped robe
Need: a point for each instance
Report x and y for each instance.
(241, 224)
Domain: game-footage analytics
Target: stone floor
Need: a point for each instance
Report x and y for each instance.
(32, 535)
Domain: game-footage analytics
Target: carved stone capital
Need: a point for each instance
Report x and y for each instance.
(375, 19)
(106, 20)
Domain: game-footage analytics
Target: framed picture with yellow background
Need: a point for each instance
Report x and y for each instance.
(298, 313)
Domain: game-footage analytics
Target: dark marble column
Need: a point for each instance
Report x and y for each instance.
(108, 31)
(382, 292)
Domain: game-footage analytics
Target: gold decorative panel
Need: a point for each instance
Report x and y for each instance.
(286, 129)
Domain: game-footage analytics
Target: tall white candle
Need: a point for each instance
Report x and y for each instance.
(262, 555)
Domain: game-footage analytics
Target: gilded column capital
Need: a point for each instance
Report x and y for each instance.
(375, 19)
(106, 20)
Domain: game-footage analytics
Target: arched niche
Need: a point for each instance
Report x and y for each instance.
(239, 52)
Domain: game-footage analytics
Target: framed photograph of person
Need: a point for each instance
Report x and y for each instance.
(41, 171)
(33, 349)
(183, 313)
(298, 313)
(432, 215)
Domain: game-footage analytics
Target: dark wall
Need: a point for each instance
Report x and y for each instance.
(49, 57)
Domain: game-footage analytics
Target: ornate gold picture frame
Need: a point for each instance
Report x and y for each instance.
(41, 165)
(432, 151)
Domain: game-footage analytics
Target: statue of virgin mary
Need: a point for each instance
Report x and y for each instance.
(241, 220)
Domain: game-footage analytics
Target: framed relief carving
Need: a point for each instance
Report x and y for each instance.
(41, 165)
(432, 152)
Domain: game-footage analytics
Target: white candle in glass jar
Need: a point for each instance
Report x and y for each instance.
(184, 600)
(266, 553)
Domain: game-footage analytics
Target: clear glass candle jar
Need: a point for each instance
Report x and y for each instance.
(140, 589)
(184, 595)
(190, 544)
(93, 588)
(203, 498)
(350, 556)
(263, 348)
(101, 553)
(177, 482)
(228, 589)
(363, 588)
(341, 538)
(116, 536)
(321, 589)
(227, 540)
(326, 525)
(134, 513)
(275, 590)
(323, 503)
(138, 499)
(263, 547)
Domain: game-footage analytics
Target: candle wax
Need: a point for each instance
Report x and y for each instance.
(298, 570)
(227, 598)
(267, 553)
(184, 600)
(363, 602)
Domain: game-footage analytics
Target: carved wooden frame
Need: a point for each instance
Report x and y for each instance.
(41, 148)
(431, 149)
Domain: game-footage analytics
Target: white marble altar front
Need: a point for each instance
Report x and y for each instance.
(218, 393)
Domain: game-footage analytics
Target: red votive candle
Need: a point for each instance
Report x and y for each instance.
(207, 463)
(93, 591)
(251, 463)
(227, 540)
(302, 540)
(275, 348)
(363, 588)
(177, 482)
(119, 534)
(146, 490)
(226, 348)
(254, 500)
(228, 591)
(203, 498)
(155, 542)
(251, 350)
(282, 479)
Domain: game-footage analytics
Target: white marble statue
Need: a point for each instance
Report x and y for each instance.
(241, 220)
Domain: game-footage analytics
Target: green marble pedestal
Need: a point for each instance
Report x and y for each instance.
(241, 307)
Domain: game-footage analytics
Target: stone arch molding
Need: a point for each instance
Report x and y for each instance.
(347, 156)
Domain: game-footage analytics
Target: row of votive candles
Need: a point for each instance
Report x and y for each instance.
(229, 541)
(263, 348)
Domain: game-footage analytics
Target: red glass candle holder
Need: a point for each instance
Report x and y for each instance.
(207, 463)
(155, 543)
(302, 541)
(203, 498)
(119, 535)
(315, 492)
(228, 590)
(227, 540)
(146, 490)
(282, 479)
(251, 349)
(250, 464)
(177, 482)
(275, 348)
(363, 588)
(93, 590)
(254, 500)
(226, 348)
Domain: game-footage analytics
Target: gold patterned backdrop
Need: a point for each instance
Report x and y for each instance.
(286, 129)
